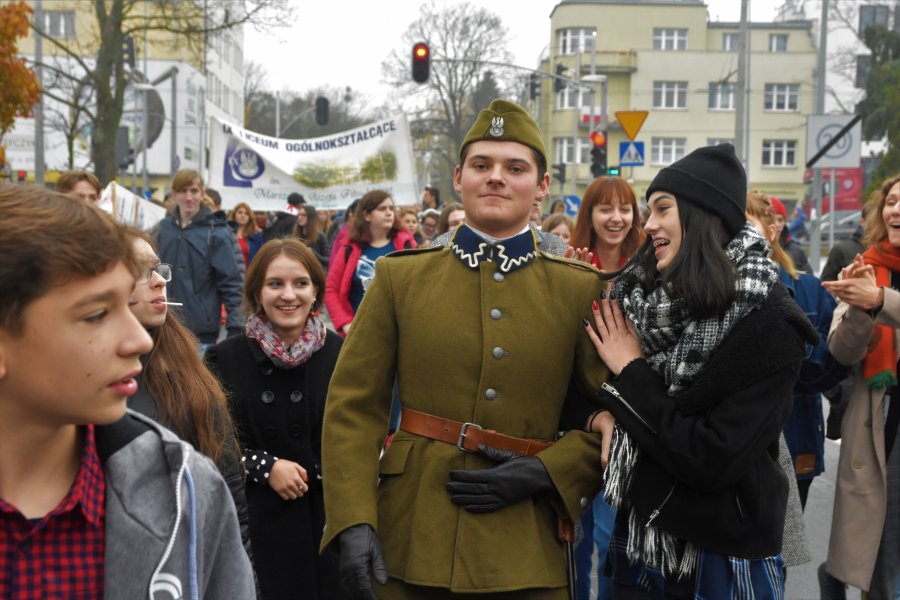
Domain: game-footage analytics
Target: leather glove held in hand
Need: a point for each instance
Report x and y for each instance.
(487, 490)
(361, 551)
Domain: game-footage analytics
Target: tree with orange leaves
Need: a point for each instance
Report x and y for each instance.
(20, 90)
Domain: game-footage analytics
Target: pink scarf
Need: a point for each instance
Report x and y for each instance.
(312, 339)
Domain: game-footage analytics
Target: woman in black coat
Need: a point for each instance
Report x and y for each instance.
(277, 376)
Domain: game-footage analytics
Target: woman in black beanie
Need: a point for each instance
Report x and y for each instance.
(705, 346)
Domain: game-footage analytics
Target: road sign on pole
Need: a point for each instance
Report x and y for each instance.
(845, 153)
(631, 121)
(631, 154)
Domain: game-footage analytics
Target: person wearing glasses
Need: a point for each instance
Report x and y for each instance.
(175, 388)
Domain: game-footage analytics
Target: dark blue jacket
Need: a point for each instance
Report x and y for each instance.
(805, 427)
(206, 273)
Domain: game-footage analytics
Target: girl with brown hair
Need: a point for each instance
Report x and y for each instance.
(249, 235)
(175, 388)
(306, 229)
(374, 232)
(277, 376)
(607, 224)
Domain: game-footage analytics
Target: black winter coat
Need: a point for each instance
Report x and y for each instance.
(280, 411)
(709, 456)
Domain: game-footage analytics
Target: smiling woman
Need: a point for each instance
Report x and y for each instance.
(277, 376)
(706, 349)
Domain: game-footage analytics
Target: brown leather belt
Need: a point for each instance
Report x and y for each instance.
(466, 436)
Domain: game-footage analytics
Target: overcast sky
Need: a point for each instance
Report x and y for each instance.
(343, 42)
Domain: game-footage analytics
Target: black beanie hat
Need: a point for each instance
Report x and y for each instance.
(712, 179)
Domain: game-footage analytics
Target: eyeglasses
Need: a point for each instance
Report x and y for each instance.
(162, 269)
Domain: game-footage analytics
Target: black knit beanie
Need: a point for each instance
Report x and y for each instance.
(712, 179)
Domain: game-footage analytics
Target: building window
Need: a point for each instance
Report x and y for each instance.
(565, 150)
(576, 40)
(59, 24)
(669, 39)
(779, 153)
(238, 59)
(670, 94)
(665, 150)
(778, 42)
(571, 98)
(872, 15)
(717, 141)
(782, 97)
(730, 42)
(721, 96)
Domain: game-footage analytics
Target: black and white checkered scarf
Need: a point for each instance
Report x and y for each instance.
(677, 347)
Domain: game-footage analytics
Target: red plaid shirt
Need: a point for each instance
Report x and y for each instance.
(61, 554)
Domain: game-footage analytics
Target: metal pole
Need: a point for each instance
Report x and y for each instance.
(831, 220)
(593, 85)
(576, 89)
(173, 148)
(146, 116)
(277, 114)
(815, 242)
(39, 108)
(740, 99)
(202, 131)
(134, 167)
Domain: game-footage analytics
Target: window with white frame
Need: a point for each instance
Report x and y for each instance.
(778, 42)
(717, 141)
(59, 24)
(779, 153)
(670, 94)
(782, 97)
(721, 95)
(576, 39)
(730, 42)
(666, 150)
(565, 150)
(572, 98)
(669, 39)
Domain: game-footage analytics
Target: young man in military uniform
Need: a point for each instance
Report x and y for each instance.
(483, 335)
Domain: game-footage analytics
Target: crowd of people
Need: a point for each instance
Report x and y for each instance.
(411, 398)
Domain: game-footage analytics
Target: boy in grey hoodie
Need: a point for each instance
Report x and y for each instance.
(94, 502)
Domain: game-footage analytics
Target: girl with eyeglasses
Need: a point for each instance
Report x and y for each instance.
(175, 388)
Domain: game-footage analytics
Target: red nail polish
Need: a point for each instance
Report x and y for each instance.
(594, 305)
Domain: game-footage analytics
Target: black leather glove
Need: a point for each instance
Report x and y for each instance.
(487, 490)
(361, 551)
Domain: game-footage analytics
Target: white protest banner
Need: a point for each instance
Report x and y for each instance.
(330, 171)
(129, 209)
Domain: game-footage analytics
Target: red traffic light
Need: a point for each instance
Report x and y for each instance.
(598, 139)
(421, 62)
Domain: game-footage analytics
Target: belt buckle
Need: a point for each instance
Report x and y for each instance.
(462, 436)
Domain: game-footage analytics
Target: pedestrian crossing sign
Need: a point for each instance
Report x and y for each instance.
(631, 154)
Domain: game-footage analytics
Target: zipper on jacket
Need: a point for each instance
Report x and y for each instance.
(655, 512)
(614, 392)
(740, 509)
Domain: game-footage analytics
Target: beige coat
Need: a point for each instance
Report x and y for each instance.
(438, 325)
(860, 497)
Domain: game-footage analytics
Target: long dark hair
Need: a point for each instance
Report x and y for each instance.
(359, 229)
(309, 233)
(701, 273)
(189, 398)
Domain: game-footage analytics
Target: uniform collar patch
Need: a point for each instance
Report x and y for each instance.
(509, 254)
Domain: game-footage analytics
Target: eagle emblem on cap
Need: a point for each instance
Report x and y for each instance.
(497, 126)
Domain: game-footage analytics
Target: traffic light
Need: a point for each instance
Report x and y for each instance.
(598, 154)
(534, 85)
(128, 51)
(559, 84)
(20, 176)
(560, 173)
(322, 110)
(421, 62)
(614, 171)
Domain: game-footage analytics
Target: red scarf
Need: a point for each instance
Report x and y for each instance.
(880, 363)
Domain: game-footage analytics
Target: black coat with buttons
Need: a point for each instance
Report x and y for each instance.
(278, 413)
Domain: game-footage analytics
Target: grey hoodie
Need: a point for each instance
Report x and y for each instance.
(171, 527)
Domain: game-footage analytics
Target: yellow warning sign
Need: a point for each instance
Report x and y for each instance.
(631, 121)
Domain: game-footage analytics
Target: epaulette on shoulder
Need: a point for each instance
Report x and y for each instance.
(572, 263)
(414, 251)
